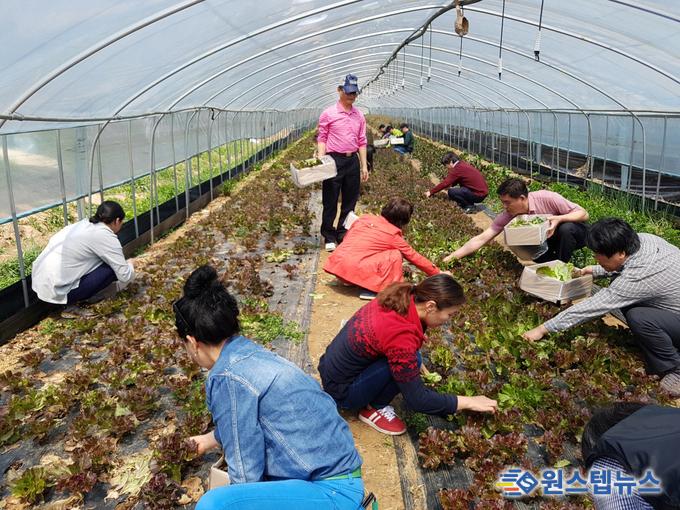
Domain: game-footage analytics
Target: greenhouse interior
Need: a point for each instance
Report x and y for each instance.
(171, 160)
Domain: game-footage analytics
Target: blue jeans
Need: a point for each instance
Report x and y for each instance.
(400, 149)
(95, 281)
(374, 386)
(344, 494)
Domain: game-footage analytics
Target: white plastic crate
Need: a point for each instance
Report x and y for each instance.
(551, 289)
(530, 235)
(305, 176)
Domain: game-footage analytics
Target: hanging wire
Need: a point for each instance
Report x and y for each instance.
(422, 56)
(460, 52)
(537, 46)
(500, 45)
(403, 71)
(429, 70)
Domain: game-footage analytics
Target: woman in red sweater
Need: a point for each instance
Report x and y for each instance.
(372, 251)
(375, 356)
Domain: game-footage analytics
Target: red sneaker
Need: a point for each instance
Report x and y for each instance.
(384, 420)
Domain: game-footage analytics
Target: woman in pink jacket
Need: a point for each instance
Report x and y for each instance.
(371, 252)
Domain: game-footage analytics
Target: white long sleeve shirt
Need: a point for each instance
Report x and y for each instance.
(72, 253)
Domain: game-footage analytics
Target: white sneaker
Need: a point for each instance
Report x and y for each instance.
(330, 246)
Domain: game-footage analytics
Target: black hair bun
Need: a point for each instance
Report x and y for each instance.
(200, 281)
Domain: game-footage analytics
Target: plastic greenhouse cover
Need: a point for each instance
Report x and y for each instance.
(86, 59)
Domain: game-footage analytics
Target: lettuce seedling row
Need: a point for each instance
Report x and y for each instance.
(546, 390)
(107, 403)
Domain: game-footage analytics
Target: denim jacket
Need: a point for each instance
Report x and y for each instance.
(274, 422)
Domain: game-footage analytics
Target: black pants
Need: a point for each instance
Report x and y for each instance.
(92, 283)
(658, 335)
(568, 238)
(464, 197)
(347, 181)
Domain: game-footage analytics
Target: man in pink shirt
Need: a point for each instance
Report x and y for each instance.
(342, 135)
(568, 227)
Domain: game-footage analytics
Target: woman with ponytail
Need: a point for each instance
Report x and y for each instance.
(375, 356)
(285, 444)
(81, 260)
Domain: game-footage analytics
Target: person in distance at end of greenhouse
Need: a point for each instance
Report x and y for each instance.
(568, 227)
(645, 286)
(285, 445)
(82, 260)
(375, 355)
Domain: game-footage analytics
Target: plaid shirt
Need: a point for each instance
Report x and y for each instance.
(616, 501)
(650, 277)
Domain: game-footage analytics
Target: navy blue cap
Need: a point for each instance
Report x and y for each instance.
(350, 84)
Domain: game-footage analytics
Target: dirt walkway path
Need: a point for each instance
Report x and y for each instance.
(379, 471)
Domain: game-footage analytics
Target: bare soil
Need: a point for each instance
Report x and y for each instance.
(379, 470)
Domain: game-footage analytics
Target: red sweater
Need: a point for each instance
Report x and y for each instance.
(466, 176)
(375, 332)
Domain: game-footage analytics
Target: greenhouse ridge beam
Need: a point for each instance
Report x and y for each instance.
(83, 56)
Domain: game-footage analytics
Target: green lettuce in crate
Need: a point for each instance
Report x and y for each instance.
(304, 163)
(562, 271)
(526, 223)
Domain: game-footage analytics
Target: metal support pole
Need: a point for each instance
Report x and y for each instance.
(606, 146)
(198, 151)
(219, 148)
(60, 165)
(174, 160)
(132, 179)
(210, 123)
(566, 170)
(661, 164)
(15, 221)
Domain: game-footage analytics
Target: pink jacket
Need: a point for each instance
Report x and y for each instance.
(370, 255)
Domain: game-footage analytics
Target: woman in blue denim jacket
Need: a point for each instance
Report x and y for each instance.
(285, 444)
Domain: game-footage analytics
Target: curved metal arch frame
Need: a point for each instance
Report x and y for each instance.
(91, 51)
(585, 39)
(294, 69)
(266, 29)
(430, 103)
(282, 90)
(323, 93)
(302, 65)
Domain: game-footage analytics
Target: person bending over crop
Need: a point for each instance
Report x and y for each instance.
(645, 272)
(567, 229)
(472, 187)
(375, 355)
(284, 443)
(81, 260)
(632, 439)
(372, 252)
